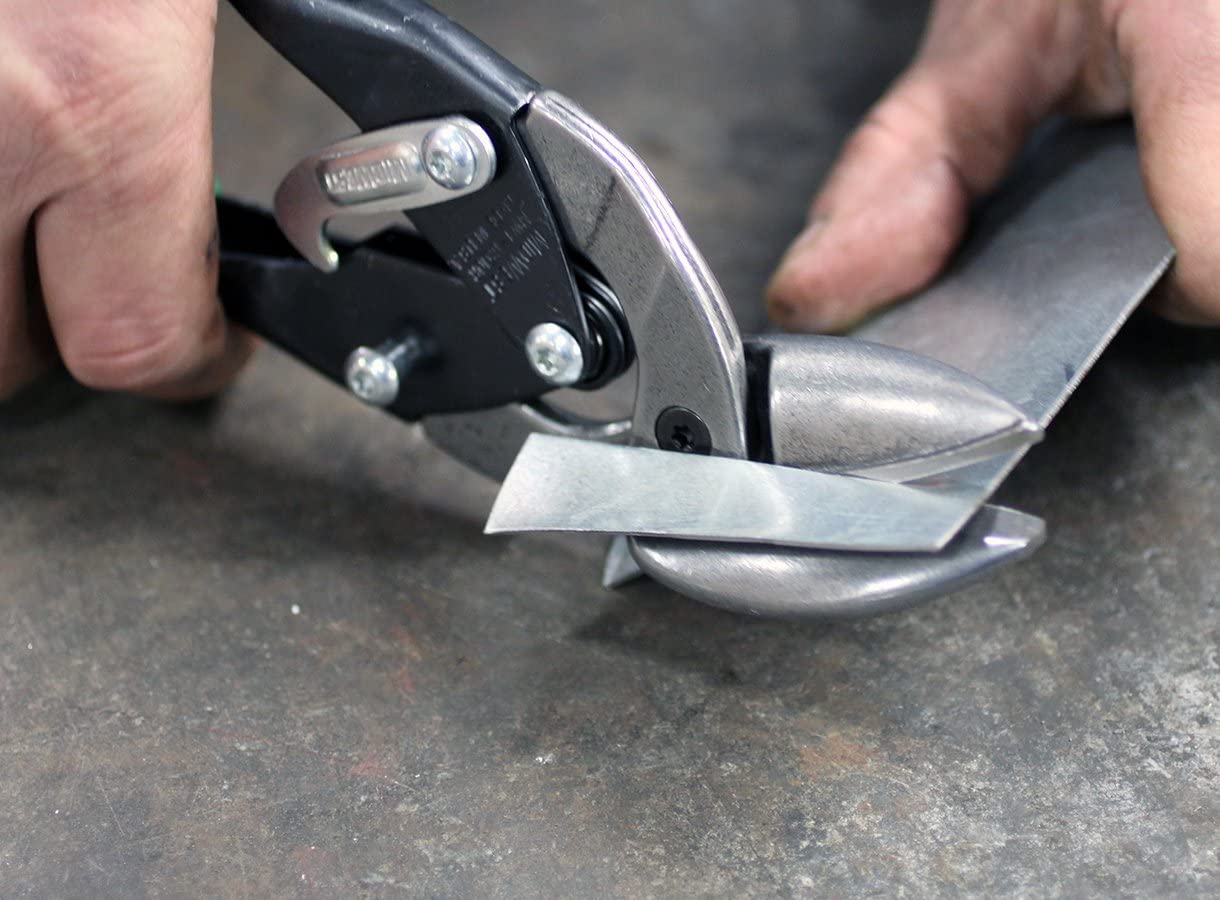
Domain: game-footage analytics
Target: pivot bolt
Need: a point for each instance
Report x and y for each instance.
(682, 431)
(375, 375)
(450, 157)
(555, 354)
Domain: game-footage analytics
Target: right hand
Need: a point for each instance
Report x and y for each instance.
(107, 217)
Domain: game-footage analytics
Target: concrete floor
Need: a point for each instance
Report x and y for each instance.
(259, 647)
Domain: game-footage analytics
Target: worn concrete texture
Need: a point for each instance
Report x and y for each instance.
(259, 647)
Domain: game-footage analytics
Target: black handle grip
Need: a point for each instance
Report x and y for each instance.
(387, 288)
(388, 62)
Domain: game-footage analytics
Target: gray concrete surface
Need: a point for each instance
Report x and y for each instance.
(259, 648)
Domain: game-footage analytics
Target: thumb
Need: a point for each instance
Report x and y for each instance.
(1173, 61)
(896, 202)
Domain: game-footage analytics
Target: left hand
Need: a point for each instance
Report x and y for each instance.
(896, 203)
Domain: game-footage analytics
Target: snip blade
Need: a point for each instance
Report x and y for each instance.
(1057, 262)
(815, 584)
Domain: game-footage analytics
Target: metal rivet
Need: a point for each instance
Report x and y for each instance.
(555, 354)
(450, 157)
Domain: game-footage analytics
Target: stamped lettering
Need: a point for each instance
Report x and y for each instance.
(372, 174)
(502, 251)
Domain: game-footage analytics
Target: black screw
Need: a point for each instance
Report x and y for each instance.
(682, 439)
(682, 431)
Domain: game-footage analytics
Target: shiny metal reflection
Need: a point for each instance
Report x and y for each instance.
(565, 485)
(812, 584)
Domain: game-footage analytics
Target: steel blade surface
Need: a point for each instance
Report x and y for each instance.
(815, 584)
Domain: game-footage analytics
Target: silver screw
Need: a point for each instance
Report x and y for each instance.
(450, 157)
(375, 375)
(372, 376)
(555, 354)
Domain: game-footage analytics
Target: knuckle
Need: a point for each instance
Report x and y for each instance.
(901, 122)
(913, 122)
(25, 100)
(933, 121)
(912, 136)
(98, 90)
(56, 99)
(137, 352)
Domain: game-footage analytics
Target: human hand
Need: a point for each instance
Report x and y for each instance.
(987, 72)
(107, 219)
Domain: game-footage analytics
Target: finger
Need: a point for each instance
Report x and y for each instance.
(1172, 56)
(25, 345)
(127, 253)
(897, 201)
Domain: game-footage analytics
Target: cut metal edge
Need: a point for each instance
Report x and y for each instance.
(507, 517)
